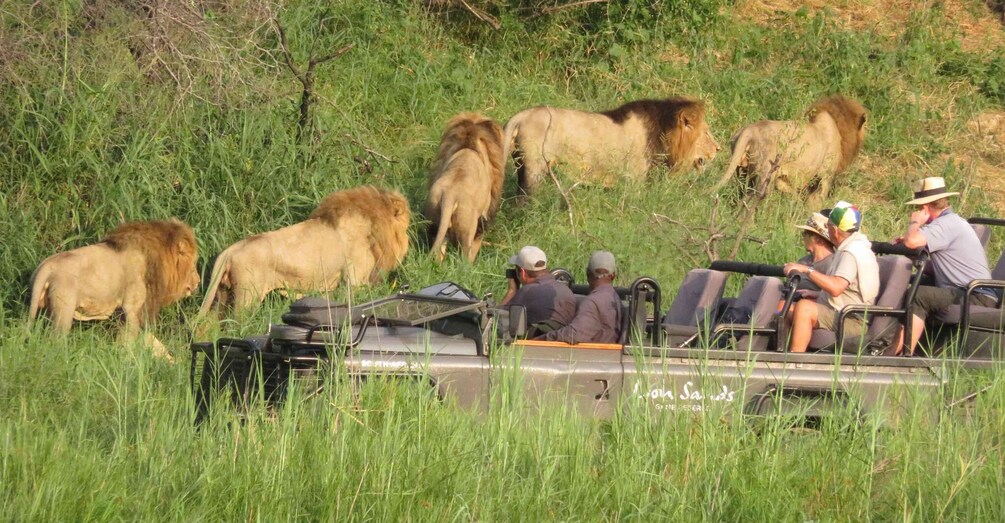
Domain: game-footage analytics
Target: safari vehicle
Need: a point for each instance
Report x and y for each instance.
(704, 350)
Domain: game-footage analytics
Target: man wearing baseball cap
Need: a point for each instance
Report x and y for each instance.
(957, 256)
(853, 278)
(549, 303)
(598, 319)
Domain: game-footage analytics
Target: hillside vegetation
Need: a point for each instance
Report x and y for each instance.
(114, 110)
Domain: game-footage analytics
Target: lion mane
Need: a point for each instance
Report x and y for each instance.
(139, 267)
(626, 141)
(465, 183)
(792, 156)
(353, 235)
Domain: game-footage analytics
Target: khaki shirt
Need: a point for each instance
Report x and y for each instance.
(855, 262)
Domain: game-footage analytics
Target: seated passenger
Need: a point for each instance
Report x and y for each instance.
(549, 303)
(957, 256)
(598, 319)
(852, 278)
(819, 251)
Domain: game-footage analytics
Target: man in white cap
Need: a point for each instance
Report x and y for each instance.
(549, 303)
(957, 256)
(598, 319)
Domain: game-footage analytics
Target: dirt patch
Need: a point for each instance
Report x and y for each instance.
(980, 26)
(987, 177)
(989, 128)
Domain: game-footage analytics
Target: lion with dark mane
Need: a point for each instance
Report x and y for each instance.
(140, 267)
(600, 147)
(465, 184)
(792, 156)
(353, 235)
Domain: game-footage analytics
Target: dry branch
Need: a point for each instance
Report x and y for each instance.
(305, 77)
(552, 9)
(481, 15)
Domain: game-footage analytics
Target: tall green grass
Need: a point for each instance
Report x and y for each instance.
(91, 429)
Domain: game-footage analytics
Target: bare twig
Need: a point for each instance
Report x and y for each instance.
(565, 196)
(710, 249)
(369, 151)
(552, 9)
(755, 202)
(305, 77)
(481, 15)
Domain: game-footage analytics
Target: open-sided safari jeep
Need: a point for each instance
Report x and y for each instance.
(693, 357)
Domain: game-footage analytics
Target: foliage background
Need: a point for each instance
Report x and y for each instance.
(116, 110)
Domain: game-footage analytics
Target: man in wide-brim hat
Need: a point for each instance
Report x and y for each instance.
(957, 256)
(819, 248)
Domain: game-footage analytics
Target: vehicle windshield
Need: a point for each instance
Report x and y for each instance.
(413, 310)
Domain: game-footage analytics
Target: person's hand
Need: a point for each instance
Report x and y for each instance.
(512, 285)
(790, 268)
(920, 216)
(898, 239)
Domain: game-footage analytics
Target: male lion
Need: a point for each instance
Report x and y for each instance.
(791, 155)
(599, 147)
(465, 184)
(353, 234)
(139, 268)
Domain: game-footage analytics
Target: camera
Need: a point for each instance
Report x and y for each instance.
(511, 274)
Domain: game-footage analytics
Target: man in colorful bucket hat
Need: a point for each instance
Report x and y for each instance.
(853, 278)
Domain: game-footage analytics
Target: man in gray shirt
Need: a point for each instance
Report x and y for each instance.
(550, 304)
(957, 256)
(598, 319)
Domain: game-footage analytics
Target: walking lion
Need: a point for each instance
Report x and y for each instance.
(600, 147)
(792, 156)
(138, 268)
(465, 184)
(353, 235)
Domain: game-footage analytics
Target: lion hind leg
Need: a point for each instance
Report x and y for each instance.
(529, 175)
(475, 245)
(439, 248)
(822, 192)
(61, 309)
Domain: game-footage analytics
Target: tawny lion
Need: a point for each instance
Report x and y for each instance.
(791, 155)
(353, 235)
(137, 268)
(600, 147)
(465, 183)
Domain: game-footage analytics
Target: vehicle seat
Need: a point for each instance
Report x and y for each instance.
(633, 328)
(759, 298)
(894, 281)
(694, 306)
(983, 233)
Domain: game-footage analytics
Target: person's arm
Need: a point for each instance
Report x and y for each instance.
(585, 326)
(833, 285)
(510, 292)
(913, 238)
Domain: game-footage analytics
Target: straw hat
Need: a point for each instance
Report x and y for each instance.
(817, 224)
(929, 190)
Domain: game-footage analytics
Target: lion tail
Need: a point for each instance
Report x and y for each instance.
(220, 268)
(740, 144)
(510, 132)
(448, 204)
(39, 291)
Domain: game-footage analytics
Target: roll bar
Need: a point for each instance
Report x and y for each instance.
(978, 220)
(753, 269)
